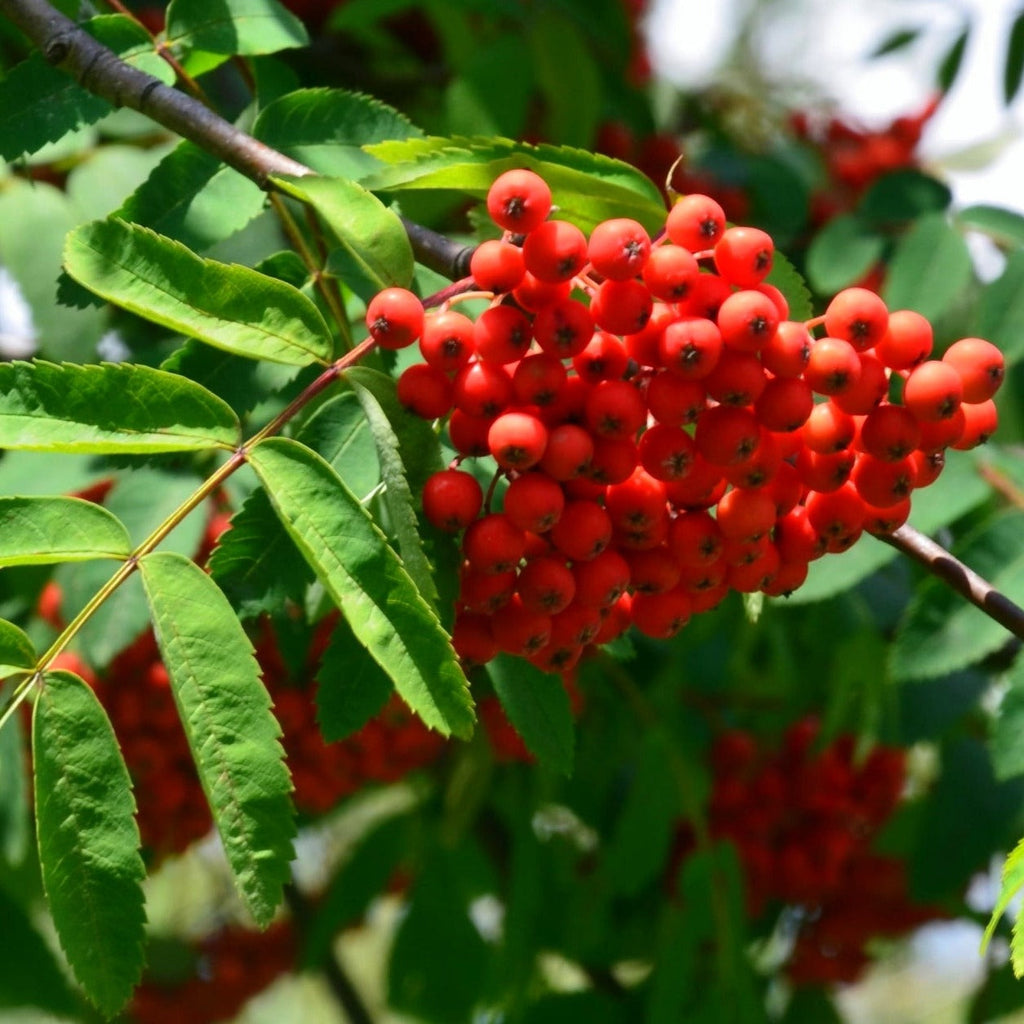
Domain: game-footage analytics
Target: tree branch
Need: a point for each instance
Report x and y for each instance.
(100, 71)
(965, 581)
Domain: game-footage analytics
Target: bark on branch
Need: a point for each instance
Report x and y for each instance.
(965, 581)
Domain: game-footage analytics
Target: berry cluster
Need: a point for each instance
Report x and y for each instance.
(225, 970)
(665, 432)
(803, 822)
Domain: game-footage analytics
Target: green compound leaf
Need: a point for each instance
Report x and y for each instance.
(88, 840)
(930, 268)
(325, 129)
(842, 253)
(40, 103)
(399, 436)
(1012, 883)
(40, 531)
(17, 652)
(109, 408)
(586, 188)
(194, 198)
(941, 632)
(537, 705)
(227, 306)
(371, 250)
(367, 581)
(15, 810)
(233, 736)
(351, 686)
(246, 27)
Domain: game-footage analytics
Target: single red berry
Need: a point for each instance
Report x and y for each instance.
(604, 358)
(618, 248)
(748, 319)
(502, 334)
(615, 409)
(468, 434)
(517, 440)
(661, 615)
(675, 401)
(833, 366)
(493, 544)
(452, 499)
(621, 307)
(564, 328)
(446, 342)
(907, 340)
(890, 432)
(981, 366)
(696, 222)
(538, 379)
(691, 347)
(933, 391)
(601, 580)
(743, 256)
(828, 429)
(583, 531)
(519, 629)
(425, 390)
(555, 251)
(497, 266)
(786, 352)
(980, 422)
(670, 273)
(519, 201)
(482, 389)
(858, 316)
(745, 513)
(666, 452)
(784, 404)
(534, 502)
(394, 318)
(868, 390)
(546, 584)
(727, 434)
(568, 453)
(883, 483)
(737, 379)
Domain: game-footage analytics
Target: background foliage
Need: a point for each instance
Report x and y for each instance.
(435, 879)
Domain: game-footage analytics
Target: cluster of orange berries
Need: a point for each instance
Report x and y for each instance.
(803, 821)
(661, 432)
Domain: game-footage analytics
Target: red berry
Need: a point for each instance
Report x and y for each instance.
(858, 316)
(394, 318)
(981, 366)
(743, 256)
(534, 502)
(519, 201)
(555, 251)
(933, 391)
(452, 499)
(517, 440)
(618, 248)
(696, 222)
(497, 266)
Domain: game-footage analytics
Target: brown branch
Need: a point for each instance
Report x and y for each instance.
(965, 581)
(101, 72)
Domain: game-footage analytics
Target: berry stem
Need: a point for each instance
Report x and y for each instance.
(965, 581)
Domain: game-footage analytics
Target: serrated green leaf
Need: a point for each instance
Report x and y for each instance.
(233, 736)
(586, 188)
(1013, 68)
(370, 250)
(941, 631)
(1012, 883)
(386, 419)
(109, 408)
(339, 432)
(351, 686)
(227, 306)
(256, 562)
(245, 27)
(39, 103)
(194, 198)
(960, 488)
(537, 705)
(842, 253)
(1000, 311)
(325, 129)
(40, 531)
(367, 581)
(1006, 737)
(789, 281)
(88, 840)
(1003, 226)
(929, 269)
(242, 383)
(140, 499)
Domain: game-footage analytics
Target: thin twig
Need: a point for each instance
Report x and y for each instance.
(965, 581)
(340, 983)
